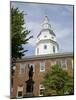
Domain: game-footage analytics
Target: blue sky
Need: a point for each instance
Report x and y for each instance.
(61, 20)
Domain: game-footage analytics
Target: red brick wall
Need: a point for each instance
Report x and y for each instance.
(37, 76)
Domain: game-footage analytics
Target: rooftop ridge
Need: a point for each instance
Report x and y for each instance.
(46, 56)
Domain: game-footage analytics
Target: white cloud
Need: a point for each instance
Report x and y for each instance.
(61, 32)
(35, 29)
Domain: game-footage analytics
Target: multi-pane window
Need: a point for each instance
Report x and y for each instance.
(42, 66)
(22, 68)
(42, 90)
(45, 46)
(32, 65)
(54, 49)
(64, 63)
(20, 92)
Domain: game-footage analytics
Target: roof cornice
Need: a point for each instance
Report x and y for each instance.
(51, 32)
(48, 40)
(45, 57)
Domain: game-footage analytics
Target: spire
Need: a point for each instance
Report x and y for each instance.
(46, 20)
(46, 24)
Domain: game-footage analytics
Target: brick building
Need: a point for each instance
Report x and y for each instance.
(40, 66)
(46, 55)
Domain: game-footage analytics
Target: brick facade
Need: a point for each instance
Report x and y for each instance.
(20, 79)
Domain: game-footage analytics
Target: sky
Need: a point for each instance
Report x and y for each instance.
(60, 18)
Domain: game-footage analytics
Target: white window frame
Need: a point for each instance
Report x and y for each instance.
(64, 63)
(22, 66)
(42, 64)
(33, 67)
(53, 63)
(41, 87)
(20, 88)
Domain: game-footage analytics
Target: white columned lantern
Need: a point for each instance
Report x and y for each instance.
(46, 40)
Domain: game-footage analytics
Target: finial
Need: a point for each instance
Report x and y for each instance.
(46, 17)
(46, 20)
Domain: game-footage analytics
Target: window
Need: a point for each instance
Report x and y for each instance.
(45, 36)
(42, 67)
(37, 50)
(53, 63)
(64, 63)
(22, 69)
(20, 92)
(58, 62)
(52, 37)
(54, 49)
(45, 46)
(32, 66)
(42, 90)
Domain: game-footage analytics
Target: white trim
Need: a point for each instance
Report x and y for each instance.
(14, 67)
(19, 88)
(42, 64)
(22, 66)
(64, 63)
(37, 50)
(41, 87)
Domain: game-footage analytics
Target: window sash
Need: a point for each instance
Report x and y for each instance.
(42, 67)
(41, 88)
(19, 89)
(41, 92)
(22, 69)
(64, 64)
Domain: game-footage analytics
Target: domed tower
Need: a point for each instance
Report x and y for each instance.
(46, 40)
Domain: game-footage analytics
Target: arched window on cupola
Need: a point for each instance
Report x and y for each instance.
(45, 46)
(54, 49)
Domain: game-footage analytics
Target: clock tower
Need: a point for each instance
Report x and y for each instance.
(46, 40)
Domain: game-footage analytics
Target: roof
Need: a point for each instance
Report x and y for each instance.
(45, 57)
(48, 40)
(51, 32)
